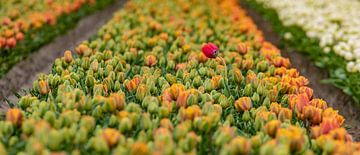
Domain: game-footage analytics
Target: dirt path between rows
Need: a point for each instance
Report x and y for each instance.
(22, 75)
(334, 96)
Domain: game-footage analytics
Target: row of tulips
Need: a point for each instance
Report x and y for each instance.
(26, 25)
(174, 77)
(330, 38)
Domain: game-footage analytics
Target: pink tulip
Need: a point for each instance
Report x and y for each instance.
(210, 50)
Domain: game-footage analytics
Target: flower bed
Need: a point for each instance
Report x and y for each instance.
(161, 78)
(27, 25)
(330, 39)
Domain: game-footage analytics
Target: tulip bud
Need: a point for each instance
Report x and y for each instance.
(328, 124)
(89, 81)
(285, 114)
(240, 145)
(98, 90)
(113, 121)
(145, 121)
(272, 127)
(319, 103)
(27, 126)
(315, 132)
(26, 101)
(182, 99)
(210, 50)
(50, 117)
(248, 91)
(243, 104)
(242, 48)
(208, 86)
(141, 92)
(111, 136)
(55, 140)
(193, 99)
(68, 56)
(262, 66)
(238, 77)
(100, 145)
(246, 116)
(164, 112)
(97, 112)
(275, 107)
(14, 116)
(139, 148)
(125, 125)
(223, 101)
(132, 84)
(119, 100)
(191, 112)
(197, 81)
(43, 87)
(150, 61)
(247, 64)
(7, 128)
(85, 63)
(255, 98)
(202, 71)
(87, 122)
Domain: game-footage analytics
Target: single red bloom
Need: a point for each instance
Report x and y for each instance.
(210, 50)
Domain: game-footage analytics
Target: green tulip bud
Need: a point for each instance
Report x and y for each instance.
(81, 136)
(248, 91)
(262, 66)
(97, 112)
(170, 78)
(27, 126)
(170, 65)
(145, 121)
(26, 101)
(266, 102)
(153, 107)
(13, 140)
(197, 81)
(284, 100)
(87, 122)
(142, 91)
(117, 86)
(55, 140)
(206, 98)
(202, 71)
(164, 112)
(50, 117)
(223, 101)
(125, 125)
(89, 81)
(100, 145)
(85, 63)
(272, 70)
(192, 99)
(255, 98)
(246, 116)
(208, 86)
(107, 55)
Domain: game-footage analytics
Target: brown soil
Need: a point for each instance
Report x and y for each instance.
(21, 76)
(332, 95)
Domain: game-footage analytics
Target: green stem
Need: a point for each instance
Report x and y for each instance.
(226, 77)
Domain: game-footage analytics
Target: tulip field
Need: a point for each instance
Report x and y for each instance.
(330, 39)
(27, 25)
(171, 77)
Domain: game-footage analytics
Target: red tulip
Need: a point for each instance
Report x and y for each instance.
(210, 50)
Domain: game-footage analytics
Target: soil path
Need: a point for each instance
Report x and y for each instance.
(22, 75)
(332, 95)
